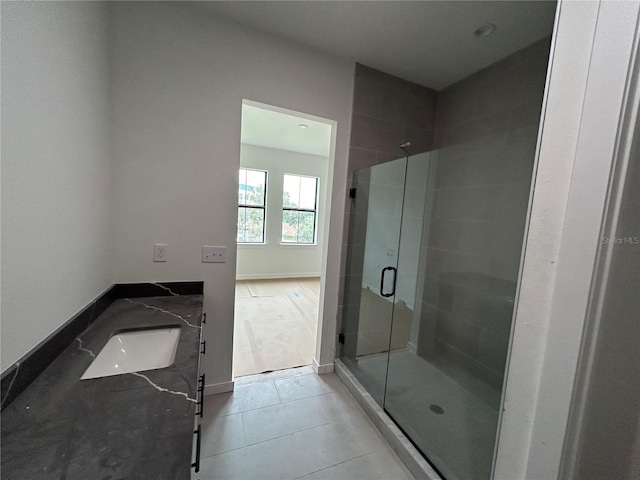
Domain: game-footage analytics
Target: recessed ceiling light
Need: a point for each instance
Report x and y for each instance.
(303, 126)
(485, 30)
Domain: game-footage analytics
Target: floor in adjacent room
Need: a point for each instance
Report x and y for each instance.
(275, 324)
(292, 424)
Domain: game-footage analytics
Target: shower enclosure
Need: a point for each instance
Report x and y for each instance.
(435, 241)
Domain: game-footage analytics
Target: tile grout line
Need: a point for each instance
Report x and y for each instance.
(356, 415)
(334, 392)
(240, 384)
(244, 441)
(290, 434)
(283, 436)
(274, 404)
(277, 392)
(339, 463)
(244, 432)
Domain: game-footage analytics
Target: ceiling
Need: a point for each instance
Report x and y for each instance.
(428, 42)
(274, 129)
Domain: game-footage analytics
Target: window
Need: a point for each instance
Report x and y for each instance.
(252, 194)
(299, 209)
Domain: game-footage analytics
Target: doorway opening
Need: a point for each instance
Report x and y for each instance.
(283, 192)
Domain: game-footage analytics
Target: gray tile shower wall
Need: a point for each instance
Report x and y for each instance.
(482, 134)
(387, 111)
(485, 138)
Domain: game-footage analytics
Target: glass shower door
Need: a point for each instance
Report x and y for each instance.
(457, 271)
(371, 273)
(427, 306)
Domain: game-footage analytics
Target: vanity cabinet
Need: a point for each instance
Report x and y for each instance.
(199, 411)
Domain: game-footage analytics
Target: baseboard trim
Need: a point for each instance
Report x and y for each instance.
(221, 387)
(401, 445)
(276, 276)
(322, 369)
(23, 372)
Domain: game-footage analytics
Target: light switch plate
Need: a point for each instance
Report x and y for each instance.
(214, 254)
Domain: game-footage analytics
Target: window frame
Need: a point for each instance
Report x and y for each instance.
(262, 207)
(305, 210)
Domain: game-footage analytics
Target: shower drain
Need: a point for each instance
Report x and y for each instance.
(436, 409)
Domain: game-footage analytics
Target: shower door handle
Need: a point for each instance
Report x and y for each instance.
(395, 275)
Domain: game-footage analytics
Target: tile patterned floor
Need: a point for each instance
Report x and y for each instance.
(292, 424)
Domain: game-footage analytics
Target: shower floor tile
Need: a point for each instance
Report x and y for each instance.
(459, 441)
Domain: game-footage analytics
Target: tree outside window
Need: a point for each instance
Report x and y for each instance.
(299, 209)
(252, 189)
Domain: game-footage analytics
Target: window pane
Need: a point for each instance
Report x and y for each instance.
(308, 192)
(289, 226)
(242, 224)
(250, 225)
(256, 181)
(255, 225)
(242, 187)
(291, 191)
(299, 193)
(306, 227)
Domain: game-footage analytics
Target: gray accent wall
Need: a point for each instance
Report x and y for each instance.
(481, 134)
(485, 141)
(388, 111)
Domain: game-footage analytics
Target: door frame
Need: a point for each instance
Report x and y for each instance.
(586, 89)
(324, 352)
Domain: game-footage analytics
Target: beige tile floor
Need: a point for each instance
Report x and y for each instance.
(292, 424)
(275, 324)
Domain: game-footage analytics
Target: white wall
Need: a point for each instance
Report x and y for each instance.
(591, 48)
(274, 259)
(566, 87)
(179, 77)
(56, 176)
(617, 24)
(603, 438)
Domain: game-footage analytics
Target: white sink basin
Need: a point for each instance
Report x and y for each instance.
(135, 351)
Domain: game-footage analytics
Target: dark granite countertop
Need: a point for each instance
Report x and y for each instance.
(133, 426)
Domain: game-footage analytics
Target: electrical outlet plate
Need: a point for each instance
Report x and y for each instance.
(214, 254)
(160, 252)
